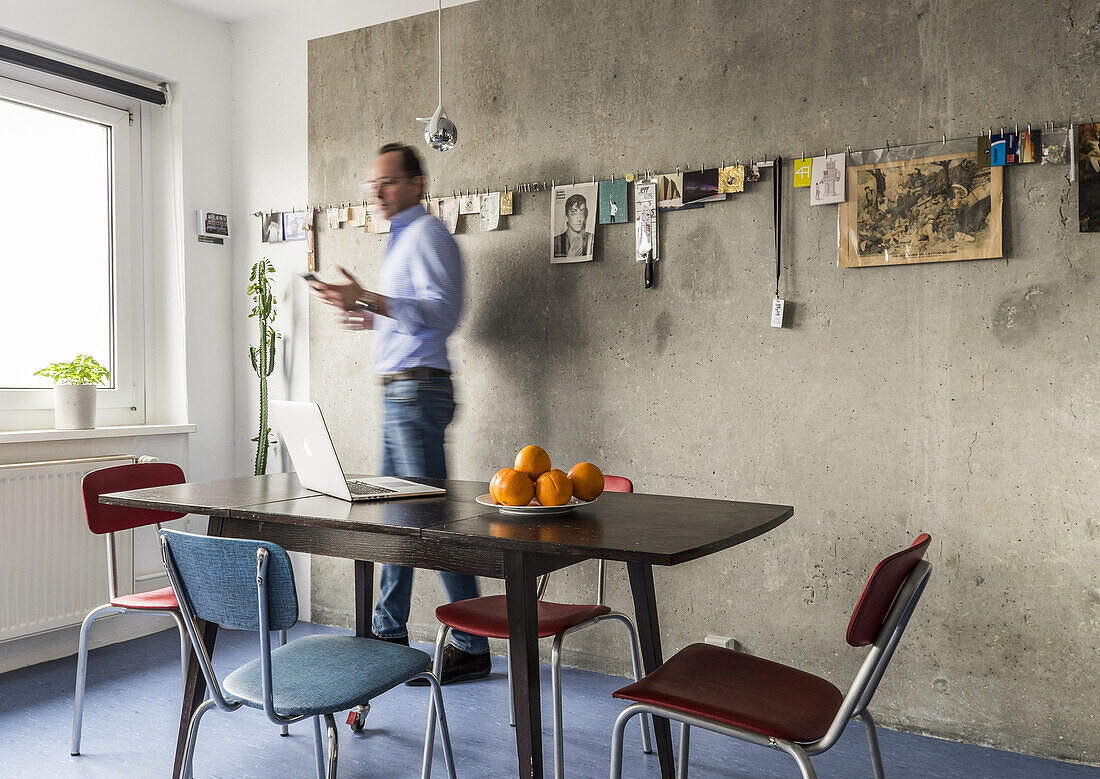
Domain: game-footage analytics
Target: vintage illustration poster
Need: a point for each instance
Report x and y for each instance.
(572, 214)
(934, 209)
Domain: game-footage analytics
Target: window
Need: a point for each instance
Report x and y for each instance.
(70, 192)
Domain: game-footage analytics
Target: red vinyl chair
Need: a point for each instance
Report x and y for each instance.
(488, 616)
(775, 705)
(108, 520)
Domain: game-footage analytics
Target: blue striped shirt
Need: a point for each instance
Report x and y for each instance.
(424, 278)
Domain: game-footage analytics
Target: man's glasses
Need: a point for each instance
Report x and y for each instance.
(386, 183)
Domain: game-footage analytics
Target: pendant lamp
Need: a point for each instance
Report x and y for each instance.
(441, 133)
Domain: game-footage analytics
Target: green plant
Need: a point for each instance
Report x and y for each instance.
(263, 355)
(82, 369)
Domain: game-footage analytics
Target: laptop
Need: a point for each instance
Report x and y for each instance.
(303, 431)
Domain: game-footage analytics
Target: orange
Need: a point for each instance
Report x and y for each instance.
(533, 460)
(511, 488)
(553, 488)
(587, 481)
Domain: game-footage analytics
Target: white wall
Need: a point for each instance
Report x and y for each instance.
(193, 53)
(192, 378)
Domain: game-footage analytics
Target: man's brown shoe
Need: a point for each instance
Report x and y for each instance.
(459, 666)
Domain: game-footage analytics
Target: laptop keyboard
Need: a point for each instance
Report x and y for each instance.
(360, 488)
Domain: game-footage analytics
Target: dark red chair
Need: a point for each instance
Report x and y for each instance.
(774, 705)
(108, 520)
(488, 616)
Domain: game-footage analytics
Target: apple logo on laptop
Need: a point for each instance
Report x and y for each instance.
(305, 445)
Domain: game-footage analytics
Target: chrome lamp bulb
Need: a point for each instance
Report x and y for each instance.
(440, 133)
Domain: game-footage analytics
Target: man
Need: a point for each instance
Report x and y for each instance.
(417, 307)
(574, 241)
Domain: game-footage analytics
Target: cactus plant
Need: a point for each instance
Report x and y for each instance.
(263, 355)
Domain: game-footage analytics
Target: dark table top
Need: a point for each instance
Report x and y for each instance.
(635, 527)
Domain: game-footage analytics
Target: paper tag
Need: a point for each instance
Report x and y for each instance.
(777, 313)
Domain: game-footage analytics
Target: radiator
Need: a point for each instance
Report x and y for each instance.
(53, 570)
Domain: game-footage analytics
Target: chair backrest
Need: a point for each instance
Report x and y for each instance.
(882, 614)
(617, 484)
(610, 484)
(109, 519)
(216, 580)
(881, 590)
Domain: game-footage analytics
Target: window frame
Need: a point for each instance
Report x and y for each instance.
(124, 403)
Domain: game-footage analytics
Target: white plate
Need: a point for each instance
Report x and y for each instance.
(532, 508)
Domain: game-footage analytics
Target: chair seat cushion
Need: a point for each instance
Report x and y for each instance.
(326, 673)
(163, 598)
(488, 616)
(737, 689)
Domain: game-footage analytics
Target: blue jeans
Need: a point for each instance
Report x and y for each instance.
(414, 415)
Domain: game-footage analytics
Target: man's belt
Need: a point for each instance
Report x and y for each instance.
(415, 374)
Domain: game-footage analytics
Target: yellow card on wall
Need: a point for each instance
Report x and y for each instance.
(802, 170)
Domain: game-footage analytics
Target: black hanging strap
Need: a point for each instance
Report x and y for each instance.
(777, 212)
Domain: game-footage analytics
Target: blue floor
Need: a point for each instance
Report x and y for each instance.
(132, 705)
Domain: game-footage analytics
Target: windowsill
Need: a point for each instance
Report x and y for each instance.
(122, 431)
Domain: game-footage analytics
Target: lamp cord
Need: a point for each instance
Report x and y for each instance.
(439, 40)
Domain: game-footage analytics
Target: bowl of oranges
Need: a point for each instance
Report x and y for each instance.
(534, 486)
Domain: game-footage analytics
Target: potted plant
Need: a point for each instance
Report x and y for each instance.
(74, 389)
(263, 354)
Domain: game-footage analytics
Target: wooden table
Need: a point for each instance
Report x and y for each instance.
(454, 533)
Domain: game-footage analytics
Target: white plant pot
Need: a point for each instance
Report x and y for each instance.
(74, 406)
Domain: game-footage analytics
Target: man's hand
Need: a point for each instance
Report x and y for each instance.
(356, 320)
(345, 296)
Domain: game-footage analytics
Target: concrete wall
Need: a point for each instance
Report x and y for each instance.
(954, 398)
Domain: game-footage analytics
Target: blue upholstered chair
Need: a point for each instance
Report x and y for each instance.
(249, 585)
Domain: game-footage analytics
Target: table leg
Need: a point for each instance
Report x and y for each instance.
(194, 691)
(649, 635)
(523, 647)
(364, 597)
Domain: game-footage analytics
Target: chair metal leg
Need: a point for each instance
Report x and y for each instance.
(636, 664)
(800, 756)
(685, 742)
(617, 740)
(872, 744)
(82, 672)
(436, 711)
(555, 687)
(333, 746)
(185, 647)
(192, 735)
(284, 730)
(319, 747)
(437, 668)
